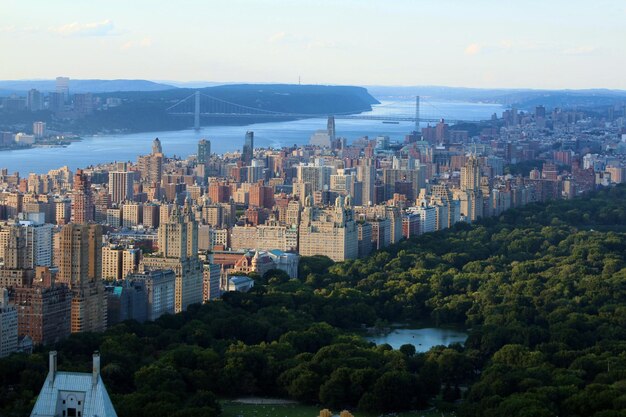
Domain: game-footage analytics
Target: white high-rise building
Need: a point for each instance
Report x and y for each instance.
(38, 243)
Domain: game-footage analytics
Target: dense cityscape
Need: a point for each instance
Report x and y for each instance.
(85, 250)
(275, 208)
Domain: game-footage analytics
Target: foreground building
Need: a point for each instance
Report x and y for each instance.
(73, 394)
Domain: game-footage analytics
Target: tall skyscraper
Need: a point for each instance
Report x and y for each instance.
(248, 148)
(330, 127)
(366, 174)
(470, 195)
(204, 151)
(121, 186)
(63, 87)
(156, 146)
(178, 251)
(470, 174)
(83, 210)
(80, 267)
(151, 166)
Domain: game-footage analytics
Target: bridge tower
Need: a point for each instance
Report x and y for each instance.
(196, 113)
(417, 114)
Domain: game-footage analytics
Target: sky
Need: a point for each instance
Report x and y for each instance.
(543, 44)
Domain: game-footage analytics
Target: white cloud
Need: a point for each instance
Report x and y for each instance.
(472, 49)
(139, 43)
(102, 28)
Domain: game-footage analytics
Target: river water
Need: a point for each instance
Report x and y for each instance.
(126, 147)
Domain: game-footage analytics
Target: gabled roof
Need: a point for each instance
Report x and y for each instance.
(97, 401)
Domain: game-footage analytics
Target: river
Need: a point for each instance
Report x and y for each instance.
(126, 147)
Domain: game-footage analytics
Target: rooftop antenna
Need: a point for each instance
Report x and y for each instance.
(299, 80)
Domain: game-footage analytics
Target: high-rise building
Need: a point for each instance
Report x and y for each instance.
(328, 231)
(470, 174)
(178, 250)
(151, 166)
(330, 127)
(56, 102)
(82, 200)
(80, 267)
(160, 286)
(211, 282)
(366, 174)
(39, 129)
(248, 148)
(83, 104)
(34, 100)
(204, 151)
(121, 186)
(63, 88)
(8, 325)
(44, 309)
(317, 176)
(38, 237)
(261, 195)
(132, 214)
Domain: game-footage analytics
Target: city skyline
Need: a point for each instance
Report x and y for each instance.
(483, 44)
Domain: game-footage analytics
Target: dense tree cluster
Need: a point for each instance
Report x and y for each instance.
(542, 290)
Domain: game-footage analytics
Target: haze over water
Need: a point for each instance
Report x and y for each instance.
(126, 147)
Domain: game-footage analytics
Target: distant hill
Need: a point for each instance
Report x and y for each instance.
(145, 111)
(521, 98)
(84, 86)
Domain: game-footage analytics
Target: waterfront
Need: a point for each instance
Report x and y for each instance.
(126, 147)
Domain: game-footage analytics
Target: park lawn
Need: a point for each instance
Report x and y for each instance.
(235, 409)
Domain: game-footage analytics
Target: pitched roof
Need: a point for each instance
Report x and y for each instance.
(96, 402)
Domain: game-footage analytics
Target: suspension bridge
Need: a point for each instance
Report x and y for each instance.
(202, 105)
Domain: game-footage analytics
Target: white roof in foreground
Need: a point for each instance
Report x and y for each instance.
(83, 392)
